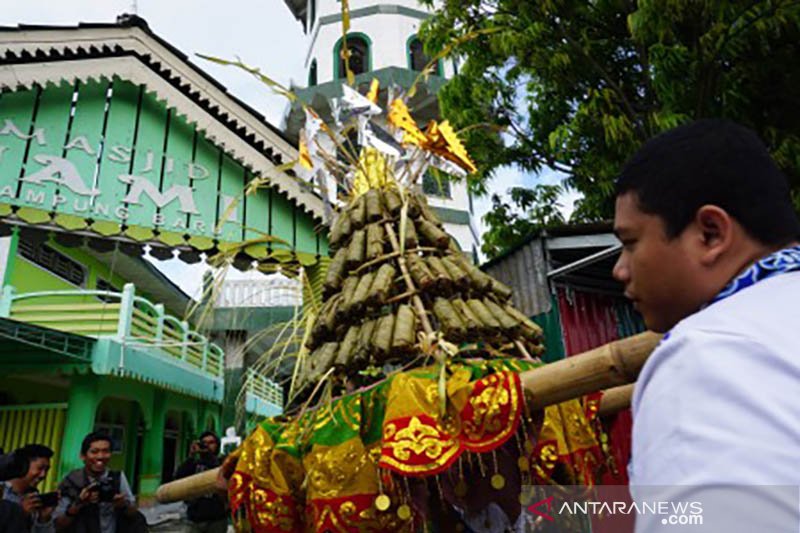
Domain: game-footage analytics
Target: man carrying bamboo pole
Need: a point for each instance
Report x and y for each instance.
(711, 257)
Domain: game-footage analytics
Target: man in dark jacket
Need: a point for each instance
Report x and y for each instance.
(95, 499)
(208, 513)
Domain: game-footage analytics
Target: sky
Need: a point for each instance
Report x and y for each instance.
(262, 33)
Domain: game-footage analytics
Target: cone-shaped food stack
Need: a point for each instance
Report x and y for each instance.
(410, 410)
(397, 278)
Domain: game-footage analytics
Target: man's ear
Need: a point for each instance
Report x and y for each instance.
(716, 229)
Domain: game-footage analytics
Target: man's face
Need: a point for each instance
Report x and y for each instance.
(210, 444)
(661, 275)
(97, 456)
(37, 471)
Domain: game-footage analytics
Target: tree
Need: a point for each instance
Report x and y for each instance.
(530, 211)
(578, 86)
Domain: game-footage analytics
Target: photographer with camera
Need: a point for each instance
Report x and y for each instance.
(208, 514)
(12, 519)
(37, 508)
(95, 499)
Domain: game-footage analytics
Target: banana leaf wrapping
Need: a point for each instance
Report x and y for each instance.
(358, 212)
(501, 290)
(355, 251)
(333, 279)
(405, 326)
(382, 338)
(507, 322)
(457, 274)
(449, 320)
(381, 285)
(425, 210)
(471, 322)
(364, 344)
(320, 360)
(394, 202)
(374, 205)
(410, 237)
(432, 235)
(529, 329)
(414, 210)
(376, 237)
(440, 274)
(483, 314)
(323, 326)
(480, 280)
(420, 273)
(359, 300)
(347, 347)
(341, 230)
(348, 289)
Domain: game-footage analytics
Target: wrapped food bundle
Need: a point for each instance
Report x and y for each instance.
(374, 205)
(420, 273)
(405, 326)
(410, 236)
(336, 269)
(529, 328)
(501, 290)
(507, 322)
(480, 280)
(425, 211)
(320, 360)
(471, 322)
(355, 251)
(381, 285)
(364, 344)
(432, 235)
(341, 230)
(358, 212)
(449, 320)
(382, 338)
(376, 237)
(457, 275)
(347, 347)
(359, 299)
(440, 273)
(394, 202)
(483, 314)
(348, 290)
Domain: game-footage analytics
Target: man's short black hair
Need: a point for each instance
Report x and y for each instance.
(209, 433)
(716, 162)
(94, 436)
(31, 452)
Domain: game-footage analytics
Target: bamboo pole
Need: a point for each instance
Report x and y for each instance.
(616, 399)
(610, 365)
(614, 364)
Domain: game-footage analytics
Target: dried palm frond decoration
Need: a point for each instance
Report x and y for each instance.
(405, 406)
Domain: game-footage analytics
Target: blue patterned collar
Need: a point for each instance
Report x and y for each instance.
(780, 262)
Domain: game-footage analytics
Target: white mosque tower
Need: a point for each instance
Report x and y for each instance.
(383, 43)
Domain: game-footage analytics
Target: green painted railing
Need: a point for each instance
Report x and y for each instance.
(123, 316)
(263, 388)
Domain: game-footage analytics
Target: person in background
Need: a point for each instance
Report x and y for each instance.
(209, 512)
(95, 499)
(23, 490)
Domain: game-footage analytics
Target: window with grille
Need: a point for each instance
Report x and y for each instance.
(417, 59)
(435, 187)
(359, 56)
(103, 285)
(53, 261)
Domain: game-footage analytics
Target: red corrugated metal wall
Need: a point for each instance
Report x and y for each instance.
(590, 320)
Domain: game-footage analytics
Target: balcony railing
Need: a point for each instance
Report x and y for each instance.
(263, 388)
(123, 316)
(275, 291)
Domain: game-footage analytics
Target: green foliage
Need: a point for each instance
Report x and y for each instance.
(531, 210)
(578, 86)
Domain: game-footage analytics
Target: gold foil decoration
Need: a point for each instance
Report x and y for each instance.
(373, 91)
(404, 512)
(383, 502)
(498, 481)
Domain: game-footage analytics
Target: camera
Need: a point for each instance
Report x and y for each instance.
(49, 499)
(106, 489)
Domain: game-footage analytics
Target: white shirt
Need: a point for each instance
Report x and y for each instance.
(718, 402)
